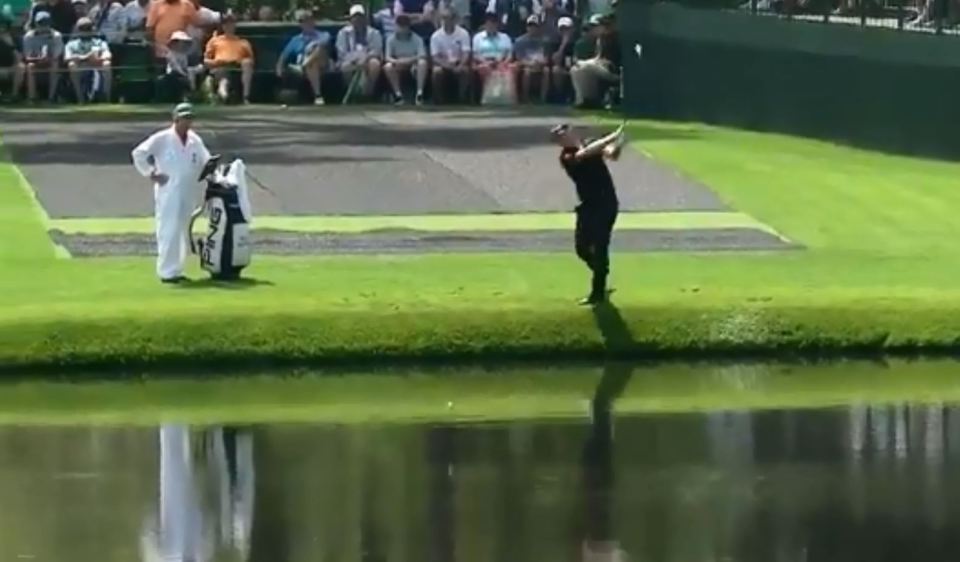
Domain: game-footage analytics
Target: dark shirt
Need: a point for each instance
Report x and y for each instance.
(62, 16)
(8, 51)
(610, 48)
(567, 54)
(591, 177)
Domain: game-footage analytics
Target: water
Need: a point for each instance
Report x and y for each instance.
(847, 482)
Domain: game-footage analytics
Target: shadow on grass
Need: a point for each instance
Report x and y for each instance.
(241, 284)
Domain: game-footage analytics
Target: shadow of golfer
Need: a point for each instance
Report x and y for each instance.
(237, 285)
(599, 537)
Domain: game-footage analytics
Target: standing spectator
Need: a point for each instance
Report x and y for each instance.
(550, 14)
(107, 18)
(134, 18)
(201, 29)
(88, 56)
(62, 15)
(532, 69)
(450, 55)
(492, 49)
(385, 18)
(405, 53)
(305, 56)
(266, 13)
(421, 13)
(181, 74)
(597, 63)
(12, 68)
(561, 52)
(42, 48)
(359, 50)
(164, 17)
(80, 10)
(226, 52)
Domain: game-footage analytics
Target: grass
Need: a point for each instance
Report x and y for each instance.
(474, 394)
(880, 274)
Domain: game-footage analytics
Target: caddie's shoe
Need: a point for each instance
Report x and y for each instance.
(174, 280)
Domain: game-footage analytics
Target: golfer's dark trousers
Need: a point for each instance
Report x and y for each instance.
(592, 242)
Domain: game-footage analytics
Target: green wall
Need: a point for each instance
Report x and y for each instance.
(877, 88)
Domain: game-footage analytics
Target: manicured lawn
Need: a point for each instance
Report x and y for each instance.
(880, 271)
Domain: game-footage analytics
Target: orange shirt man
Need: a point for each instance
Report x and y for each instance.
(227, 50)
(166, 16)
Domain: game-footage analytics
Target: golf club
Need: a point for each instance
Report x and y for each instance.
(215, 144)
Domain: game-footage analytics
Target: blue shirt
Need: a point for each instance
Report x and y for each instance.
(297, 46)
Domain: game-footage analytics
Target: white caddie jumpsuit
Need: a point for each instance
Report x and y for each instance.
(163, 152)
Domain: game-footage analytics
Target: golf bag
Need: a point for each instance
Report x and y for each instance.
(225, 248)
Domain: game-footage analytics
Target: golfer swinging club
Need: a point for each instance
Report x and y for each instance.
(597, 212)
(173, 158)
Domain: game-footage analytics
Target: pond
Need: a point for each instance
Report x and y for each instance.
(626, 462)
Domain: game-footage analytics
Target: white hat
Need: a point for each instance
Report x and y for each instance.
(533, 20)
(357, 10)
(595, 19)
(42, 16)
(565, 22)
(181, 36)
(79, 2)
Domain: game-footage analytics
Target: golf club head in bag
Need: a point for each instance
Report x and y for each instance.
(225, 248)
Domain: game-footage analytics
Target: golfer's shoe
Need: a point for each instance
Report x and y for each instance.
(174, 280)
(419, 100)
(595, 299)
(319, 101)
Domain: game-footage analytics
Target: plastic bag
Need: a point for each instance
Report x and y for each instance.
(499, 88)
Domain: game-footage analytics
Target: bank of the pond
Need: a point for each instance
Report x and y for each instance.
(532, 391)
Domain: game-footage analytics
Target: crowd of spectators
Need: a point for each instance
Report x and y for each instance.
(454, 51)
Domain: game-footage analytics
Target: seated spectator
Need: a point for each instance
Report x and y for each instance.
(63, 17)
(225, 53)
(359, 50)
(164, 17)
(134, 20)
(450, 56)
(305, 56)
(597, 64)
(88, 57)
(532, 70)
(492, 49)
(405, 53)
(561, 57)
(12, 68)
(42, 49)
(180, 78)
(107, 18)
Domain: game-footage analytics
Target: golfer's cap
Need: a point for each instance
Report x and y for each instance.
(595, 19)
(559, 129)
(357, 10)
(42, 17)
(565, 22)
(180, 36)
(533, 20)
(183, 111)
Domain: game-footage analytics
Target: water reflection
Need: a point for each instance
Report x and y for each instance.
(856, 483)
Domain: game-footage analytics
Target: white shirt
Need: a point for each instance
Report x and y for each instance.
(82, 47)
(497, 47)
(449, 47)
(181, 163)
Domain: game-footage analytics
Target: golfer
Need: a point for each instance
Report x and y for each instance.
(585, 163)
(173, 158)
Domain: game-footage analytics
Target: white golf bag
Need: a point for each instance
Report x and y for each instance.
(225, 249)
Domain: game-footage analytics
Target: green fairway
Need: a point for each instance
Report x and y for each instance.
(880, 273)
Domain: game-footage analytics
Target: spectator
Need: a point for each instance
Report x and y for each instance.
(267, 13)
(450, 55)
(561, 52)
(42, 48)
(200, 30)
(12, 68)
(107, 18)
(88, 57)
(421, 13)
(62, 15)
(492, 49)
(359, 50)
(549, 15)
(164, 17)
(134, 18)
(597, 63)
(405, 53)
(80, 9)
(305, 56)
(226, 52)
(531, 54)
(181, 74)
(385, 18)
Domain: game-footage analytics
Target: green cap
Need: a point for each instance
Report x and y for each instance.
(183, 110)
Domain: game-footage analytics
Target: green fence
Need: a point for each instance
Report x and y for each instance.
(877, 88)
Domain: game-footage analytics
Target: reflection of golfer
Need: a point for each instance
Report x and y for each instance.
(173, 159)
(597, 212)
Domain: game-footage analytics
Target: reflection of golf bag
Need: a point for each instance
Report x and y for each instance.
(225, 249)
